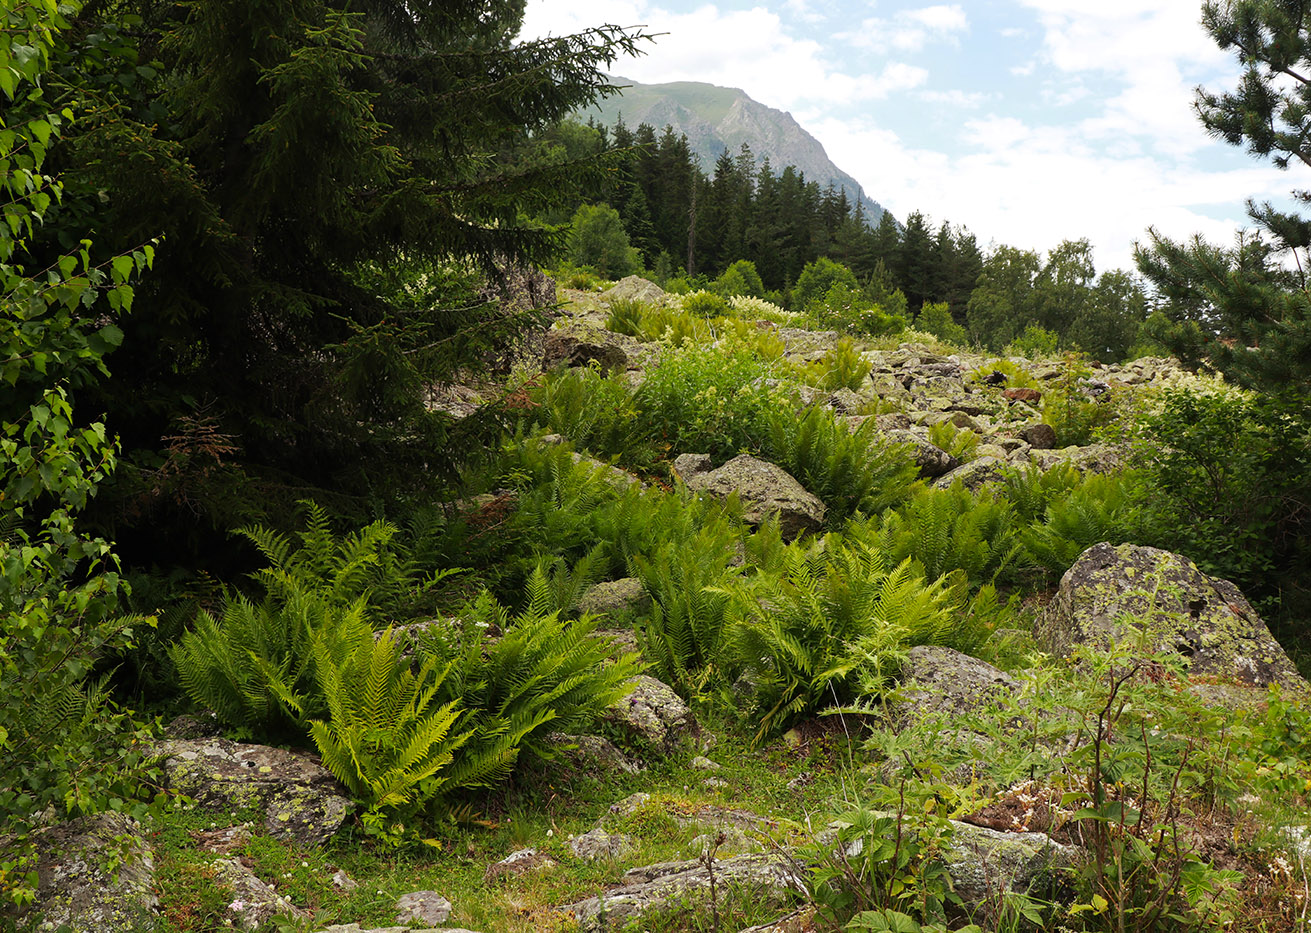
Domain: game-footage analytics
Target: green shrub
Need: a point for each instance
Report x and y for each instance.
(1226, 480)
(1036, 341)
(741, 278)
(844, 308)
(850, 471)
(1097, 509)
(597, 238)
(818, 279)
(626, 316)
(698, 399)
(936, 319)
(945, 530)
(684, 634)
(961, 443)
(843, 367)
(831, 628)
(593, 410)
(705, 305)
(1072, 414)
(1017, 377)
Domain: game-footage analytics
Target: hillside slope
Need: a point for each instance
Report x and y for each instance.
(717, 118)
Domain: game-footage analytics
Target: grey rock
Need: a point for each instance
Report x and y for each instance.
(75, 886)
(254, 903)
(635, 288)
(566, 349)
(702, 763)
(423, 907)
(847, 401)
(984, 864)
(1205, 619)
(973, 475)
(344, 882)
(653, 717)
(932, 460)
(599, 844)
(619, 479)
(594, 753)
(940, 680)
(522, 862)
(772, 879)
(626, 594)
(301, 800)
(1039, 436)
(688, 465)
(797, 921)
(764, 490)
(193, 727)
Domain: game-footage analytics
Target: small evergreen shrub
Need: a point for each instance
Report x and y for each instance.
(1072, 414)
(741, 278)
(705, 305)
(1036, 341)
(936, 319)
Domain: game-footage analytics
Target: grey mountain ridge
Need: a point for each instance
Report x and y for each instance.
(717, 118)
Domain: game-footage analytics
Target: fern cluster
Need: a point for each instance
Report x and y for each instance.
(832, 628)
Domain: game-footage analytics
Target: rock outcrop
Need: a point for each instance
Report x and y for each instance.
(1112, 593)
(765, 490)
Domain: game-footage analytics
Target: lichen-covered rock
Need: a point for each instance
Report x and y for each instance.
(623, 595)
(254, 903)
(1040, 436)
(635, 288)
(940, 680)
(301, 800)
(984, 864)
(653, 717)
(973, 475)
(1111, 591)
(1095, 458)
(765, 490)
(566, 349)
(617, 478)
(770, 880)
(932, 460)
(422, 907)
(593, 753)
(193, 727)
(686, 466)
(599, 844)
(76, 889)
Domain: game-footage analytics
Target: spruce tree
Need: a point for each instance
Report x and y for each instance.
(1246, 310)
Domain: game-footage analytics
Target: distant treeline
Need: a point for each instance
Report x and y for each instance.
(684, 222)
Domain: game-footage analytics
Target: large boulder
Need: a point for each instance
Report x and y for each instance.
(565, 349)
(635, 288)
(937, 680)
(301, 800)
(986, 864)
(624, 595)
(78, 890)
(653, 717)
(932, 460)
(769, 880)
(1112, 593)
(764, 490)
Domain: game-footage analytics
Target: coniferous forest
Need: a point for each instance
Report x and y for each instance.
(420, 507)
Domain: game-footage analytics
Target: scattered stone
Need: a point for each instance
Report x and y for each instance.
(1205, 619)
(973, 475)
(653, 717)
(518, 863)
(599, 844)
(940, 680)
(625, 595)
(702, 763)
(594, 753)
(1039, 436)
(688, 465)
(1033, 396)
(635, 288)
(622, 641)
(193, 727)
(619, 479)
(764, 490)
(344, 882)
(77, 892)
(770, 880)
(423, 907)
(254, 903)
(847, 402)
(984, 864)
(223, 841)
(714, 784)
(301, 800)
(932, 460)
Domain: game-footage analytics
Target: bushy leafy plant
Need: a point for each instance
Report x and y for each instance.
(1097, 509)
(1072, 414)
(626, 316)
(701, 400)
(704, 305)
(593, 410)
(831, 628)
(945, 530)
(741, 278)
(936, 319)
(843, 367)
(1036, 341)
(1016, 376)
(851, 471)
(683, 636)
(844, 308)
(961, 443)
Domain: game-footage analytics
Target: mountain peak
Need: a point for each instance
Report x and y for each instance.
(717, 118)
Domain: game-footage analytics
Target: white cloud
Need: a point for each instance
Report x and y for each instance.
(909, 30)
(747, 49)
(966, 100)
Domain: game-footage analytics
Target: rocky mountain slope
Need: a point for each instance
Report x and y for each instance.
(718, 118)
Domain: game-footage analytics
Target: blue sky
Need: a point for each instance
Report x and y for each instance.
(1027, 121)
